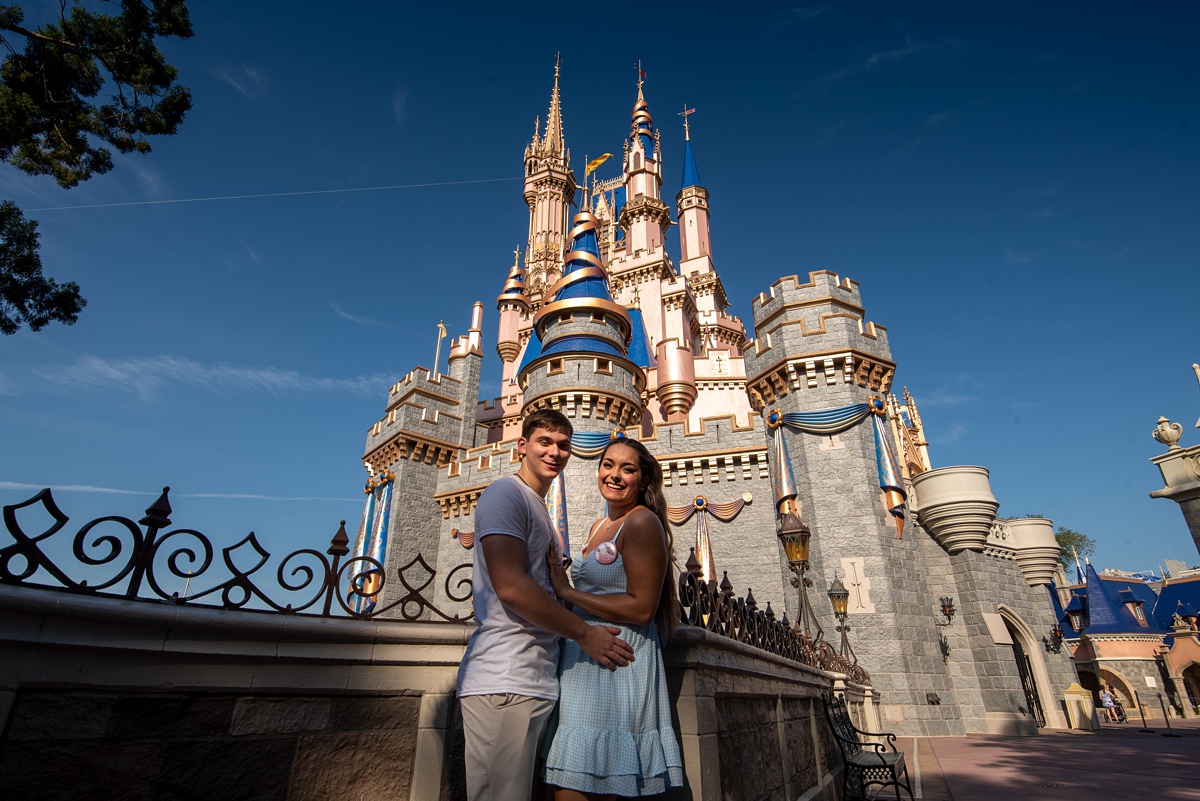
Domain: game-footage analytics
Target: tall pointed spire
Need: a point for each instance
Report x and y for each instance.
(553, 142)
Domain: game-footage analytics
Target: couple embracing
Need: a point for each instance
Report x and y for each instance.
(590, 642)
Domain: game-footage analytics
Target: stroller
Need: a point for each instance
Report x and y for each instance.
(1119, 708)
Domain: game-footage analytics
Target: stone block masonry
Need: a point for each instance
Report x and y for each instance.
(144, 745)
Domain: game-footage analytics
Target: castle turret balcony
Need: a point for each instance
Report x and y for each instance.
(1036, 548)
(956, 506)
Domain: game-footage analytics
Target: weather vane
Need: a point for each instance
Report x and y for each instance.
(687, 133)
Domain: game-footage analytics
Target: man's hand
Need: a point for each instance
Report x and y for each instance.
(602, 644)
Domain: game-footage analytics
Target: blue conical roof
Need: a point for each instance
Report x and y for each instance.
(592, 287)
(691, 176)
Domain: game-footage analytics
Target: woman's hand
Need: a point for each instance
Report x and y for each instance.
(558, 574)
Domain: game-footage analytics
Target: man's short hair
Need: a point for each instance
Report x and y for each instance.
(549, 419)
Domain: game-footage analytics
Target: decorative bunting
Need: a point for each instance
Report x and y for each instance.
(826, 422)
(725, 512)
(589, 444)
(465, 538)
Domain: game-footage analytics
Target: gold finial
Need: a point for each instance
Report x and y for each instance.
(557, 64)
(641, 78)
(517, 256)
(687, 133)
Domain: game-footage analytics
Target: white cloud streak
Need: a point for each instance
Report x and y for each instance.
(400, 103)
(147, 376)
(16, 485)
(354, 318)
(245, 80)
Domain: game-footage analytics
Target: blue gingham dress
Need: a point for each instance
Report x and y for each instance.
(612, 731)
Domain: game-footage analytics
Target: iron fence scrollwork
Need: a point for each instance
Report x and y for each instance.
(124, 559)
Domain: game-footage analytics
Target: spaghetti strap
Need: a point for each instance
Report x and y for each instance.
(619, 530)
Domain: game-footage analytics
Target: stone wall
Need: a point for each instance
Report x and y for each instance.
(103, 698)
(154, 745)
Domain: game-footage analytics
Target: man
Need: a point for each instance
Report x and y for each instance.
(508, 681)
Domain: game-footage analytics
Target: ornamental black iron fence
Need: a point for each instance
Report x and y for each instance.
(129, 560)
(714, 607)
(124, 559)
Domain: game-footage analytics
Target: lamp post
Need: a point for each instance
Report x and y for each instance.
(839, 597)
(794, 536)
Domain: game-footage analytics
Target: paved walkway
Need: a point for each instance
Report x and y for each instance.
(1117, 762)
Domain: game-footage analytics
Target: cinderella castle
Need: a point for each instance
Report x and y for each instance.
(794, 432)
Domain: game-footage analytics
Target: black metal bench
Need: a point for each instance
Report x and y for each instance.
(865, 763)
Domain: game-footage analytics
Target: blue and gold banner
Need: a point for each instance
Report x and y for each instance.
(371, 541)
(827, 422)
(588, 444)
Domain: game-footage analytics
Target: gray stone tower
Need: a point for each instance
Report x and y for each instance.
(814, 350)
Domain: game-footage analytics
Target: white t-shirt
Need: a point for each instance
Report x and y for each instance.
(507, 653)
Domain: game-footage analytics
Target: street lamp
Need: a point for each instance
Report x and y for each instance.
(794, 536)
(839, 597)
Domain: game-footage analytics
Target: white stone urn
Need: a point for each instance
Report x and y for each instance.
(1036, 549)
(956, 506)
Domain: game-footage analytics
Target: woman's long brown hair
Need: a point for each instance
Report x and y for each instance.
(651, 496)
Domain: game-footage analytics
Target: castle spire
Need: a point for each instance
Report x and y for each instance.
(691, 205)
(549, 192)
(552, 145)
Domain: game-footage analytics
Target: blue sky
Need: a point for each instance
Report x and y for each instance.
(1015, 188)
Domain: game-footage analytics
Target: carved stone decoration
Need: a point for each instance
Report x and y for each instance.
(956, 506)
(1036, 548)
(1167, 433)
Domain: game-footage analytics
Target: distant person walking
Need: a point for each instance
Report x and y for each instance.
(1106, 701)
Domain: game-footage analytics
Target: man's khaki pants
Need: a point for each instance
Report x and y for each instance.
(503, 733)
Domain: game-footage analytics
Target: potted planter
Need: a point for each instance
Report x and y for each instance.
(956, 506)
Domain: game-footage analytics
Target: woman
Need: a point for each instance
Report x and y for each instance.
(613, 734)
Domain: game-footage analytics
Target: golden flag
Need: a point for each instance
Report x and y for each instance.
(596, 162)
(441, 331)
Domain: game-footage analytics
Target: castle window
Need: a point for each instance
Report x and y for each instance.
(604, 366)
(555, 366)
(1138, 614)
(597, 317)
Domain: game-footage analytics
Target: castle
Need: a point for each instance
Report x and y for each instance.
(796, 428)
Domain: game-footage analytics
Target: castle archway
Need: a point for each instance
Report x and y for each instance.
(1031, 667)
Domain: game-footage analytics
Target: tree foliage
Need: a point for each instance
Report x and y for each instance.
(54, 121)
(26, 296)
(1067, 538)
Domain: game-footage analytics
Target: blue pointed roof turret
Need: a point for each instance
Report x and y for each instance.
(691, 175)
(583, 288)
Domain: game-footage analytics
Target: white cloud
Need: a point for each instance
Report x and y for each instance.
(952, 433)
(830, 134)
(1015, 257)
(354, 318)
(16, 485)
(251, 252)
(147, 376)
(808, 12)
(1042, 190)
(246, 80)
(400, 103)
(899, 53)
